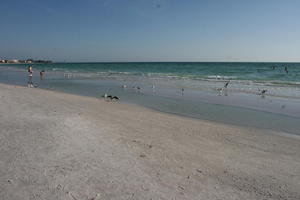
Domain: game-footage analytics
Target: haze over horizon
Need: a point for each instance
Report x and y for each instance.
(151, 30)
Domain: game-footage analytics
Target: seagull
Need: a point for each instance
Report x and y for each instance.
(110, 97)
(226, 84)
(220, 91)
(262, 92)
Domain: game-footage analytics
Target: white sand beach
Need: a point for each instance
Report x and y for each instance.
(61, 146)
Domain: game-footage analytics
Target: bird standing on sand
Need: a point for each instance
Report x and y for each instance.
(153, 88)
(220, 91)
(116, 98)
(105, 96)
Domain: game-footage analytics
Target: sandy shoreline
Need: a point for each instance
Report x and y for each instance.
(62, 146)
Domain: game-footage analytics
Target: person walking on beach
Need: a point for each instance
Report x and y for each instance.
(30, 73)
(42, 74)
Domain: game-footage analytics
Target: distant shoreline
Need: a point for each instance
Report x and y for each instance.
(28, 61)
(116, 62)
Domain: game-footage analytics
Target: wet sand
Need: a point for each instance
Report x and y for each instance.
(61, 146)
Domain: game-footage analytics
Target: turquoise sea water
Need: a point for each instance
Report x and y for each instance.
(190, 89)
(244, 77)
(206, 70)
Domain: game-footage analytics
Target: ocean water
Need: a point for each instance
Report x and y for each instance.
(260, 72)
(244, 77)
(189, 89)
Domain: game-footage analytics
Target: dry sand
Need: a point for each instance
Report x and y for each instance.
(62, 146)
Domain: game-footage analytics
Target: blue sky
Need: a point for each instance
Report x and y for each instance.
(151, 30)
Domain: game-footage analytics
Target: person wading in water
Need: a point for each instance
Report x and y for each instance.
(42, 74)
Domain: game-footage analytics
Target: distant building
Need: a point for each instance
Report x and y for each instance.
(13, 61)
(29, 61)
(3, 61)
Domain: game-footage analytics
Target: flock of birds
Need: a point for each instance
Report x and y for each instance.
(261, 92)
(111, 97)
